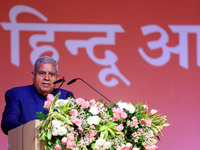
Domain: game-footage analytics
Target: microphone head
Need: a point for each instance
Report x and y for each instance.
(58, 81)
(72, 81)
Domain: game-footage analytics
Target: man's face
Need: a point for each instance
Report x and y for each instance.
(44, 77)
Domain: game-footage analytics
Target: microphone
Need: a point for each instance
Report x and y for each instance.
(58, 81)
(74, 80)
(69, 95)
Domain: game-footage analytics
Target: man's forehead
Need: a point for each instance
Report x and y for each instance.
(46, 70)
(46, 67)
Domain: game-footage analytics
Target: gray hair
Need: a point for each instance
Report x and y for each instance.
(43, 60)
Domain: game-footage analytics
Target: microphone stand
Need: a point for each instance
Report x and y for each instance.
(61, 80)
(74, 80)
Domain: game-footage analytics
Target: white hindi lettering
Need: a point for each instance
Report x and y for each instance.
(72, 45)
(181, 49)
(110, 58)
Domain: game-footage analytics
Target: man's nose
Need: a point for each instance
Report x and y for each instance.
(47, 76)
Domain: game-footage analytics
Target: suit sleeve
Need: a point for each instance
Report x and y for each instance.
(11, 114)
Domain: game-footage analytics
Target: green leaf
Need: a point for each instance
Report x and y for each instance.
(166, 124)
(61, 117)
(111, 124)
(111, 104)
(40, 116)
(53, 103)
(50, 143)
(106, 134)
(41, 138)
(100, 100)
(92, 145)
(58, 141)
(67, 106)
(102, 134)
(158, 137)
(49, 134)
(111, 131)
(112, 148)
(102, 128)
(119, 101)
(116, 131)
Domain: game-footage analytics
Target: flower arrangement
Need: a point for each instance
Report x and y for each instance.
(79, 124)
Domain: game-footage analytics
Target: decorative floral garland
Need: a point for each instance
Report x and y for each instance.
(79, 124)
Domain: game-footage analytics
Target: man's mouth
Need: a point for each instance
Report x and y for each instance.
(45, 84)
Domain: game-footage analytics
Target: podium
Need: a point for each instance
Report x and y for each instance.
(24, 137)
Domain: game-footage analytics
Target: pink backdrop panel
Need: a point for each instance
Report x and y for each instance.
(130, 50)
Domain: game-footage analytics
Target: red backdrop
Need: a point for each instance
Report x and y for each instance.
(130, 50)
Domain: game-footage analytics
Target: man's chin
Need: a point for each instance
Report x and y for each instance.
(46, 90)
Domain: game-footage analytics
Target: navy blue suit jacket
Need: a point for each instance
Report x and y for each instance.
(22, 103)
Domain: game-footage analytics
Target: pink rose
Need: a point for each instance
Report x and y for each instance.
(81, 130)
(129, 146)
(116, 116)
(118, 148)
(57, 147)
(70, 144)
(119, 111)
(153, 147)
(85, 104)
(145, 107)
(64, 140)
(146, 121)
(79, 101)
(114, 109)
(92, 102)
(70, 136)
(123, 147)
(78, 122)
(124, 115)
(73, 119)
(47, 104)
(154, 111)
(92, 126)
(50, 97)
(75, 133)
(128, 123)
(73, 112)
(93, 133)
(149, 122)
(119, 127)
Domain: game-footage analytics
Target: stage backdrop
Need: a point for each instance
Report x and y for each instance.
(146, 50)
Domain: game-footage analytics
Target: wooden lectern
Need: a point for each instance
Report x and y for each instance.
(24, 137)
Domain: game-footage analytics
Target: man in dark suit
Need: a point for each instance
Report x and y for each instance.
(22, 103)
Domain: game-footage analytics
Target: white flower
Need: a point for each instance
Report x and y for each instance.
(100, 142)
(95, 147)
(56, 123)
(154, 111)
(136, 149)
(127, 106)
(153, 141)
(107, 145)
(61, 102)
(54, 132)
(93, 120)
(62, 130)
(122, 105)
(94, 110)
(149, 134)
